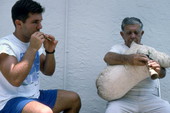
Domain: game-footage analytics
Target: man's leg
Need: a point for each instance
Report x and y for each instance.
(25, 105)
(122, 105)
(36, 107)
(155, 105)
(67, 101)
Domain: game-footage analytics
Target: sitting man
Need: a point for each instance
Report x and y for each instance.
(144, 97)
(22, 59)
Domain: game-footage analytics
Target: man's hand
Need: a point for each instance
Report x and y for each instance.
(50, 43)
(137, 59)
(155, 65)
(39, 38)
(36, 40)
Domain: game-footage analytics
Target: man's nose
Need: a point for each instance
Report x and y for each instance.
(39, 26)
(133, 35)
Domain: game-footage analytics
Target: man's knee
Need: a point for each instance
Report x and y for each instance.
(75, 98)
(69, 100)
(68, 97)
(45, 110)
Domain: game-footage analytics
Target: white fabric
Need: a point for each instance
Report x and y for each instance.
(30, 87)
(146, 102)
(115, 81)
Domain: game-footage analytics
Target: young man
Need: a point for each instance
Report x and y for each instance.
(144, 97)
(21, 60)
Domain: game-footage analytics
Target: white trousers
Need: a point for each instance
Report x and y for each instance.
(139, 102)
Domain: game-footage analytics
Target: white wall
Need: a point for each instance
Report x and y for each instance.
(86, 30)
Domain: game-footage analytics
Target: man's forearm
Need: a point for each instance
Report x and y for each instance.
(116, 59)
(49, 65)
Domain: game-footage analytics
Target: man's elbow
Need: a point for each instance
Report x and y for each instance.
(107, 58)
(16, 83)
(162, 73)
(48, 73)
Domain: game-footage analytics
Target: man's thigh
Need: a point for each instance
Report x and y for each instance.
(16, 105)
(47, 99)
(155, 105)
(45, 103)
(36, 107)
(123, 105)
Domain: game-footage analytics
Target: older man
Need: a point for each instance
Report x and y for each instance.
(144, 97)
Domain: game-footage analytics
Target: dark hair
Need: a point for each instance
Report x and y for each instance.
(131, 21)
(22, 8)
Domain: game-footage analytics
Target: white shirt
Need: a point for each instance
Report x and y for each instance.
(30, 86)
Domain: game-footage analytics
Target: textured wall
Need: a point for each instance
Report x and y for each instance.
(86, 30)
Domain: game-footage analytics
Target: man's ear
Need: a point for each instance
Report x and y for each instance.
(18, 23)
(142, 33)
(122, 34)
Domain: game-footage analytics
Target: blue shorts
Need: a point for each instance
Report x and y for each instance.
(15, 105)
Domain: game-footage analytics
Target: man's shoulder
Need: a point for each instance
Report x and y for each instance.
(7, 42)
(6, 45)
(6, 38)
(120, 45)
(9, 39)
(119, 48)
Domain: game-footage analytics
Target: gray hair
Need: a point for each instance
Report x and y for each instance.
(131, 21)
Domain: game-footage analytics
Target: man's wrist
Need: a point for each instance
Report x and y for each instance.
(47, 52)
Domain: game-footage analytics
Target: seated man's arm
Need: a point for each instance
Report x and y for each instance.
(112, 58)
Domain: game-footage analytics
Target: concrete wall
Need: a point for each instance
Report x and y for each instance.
(86, 30)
